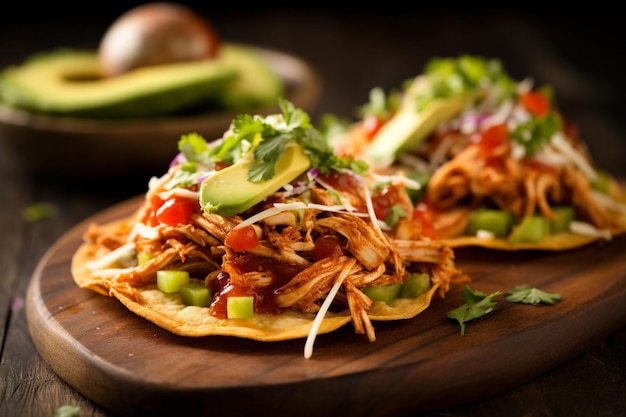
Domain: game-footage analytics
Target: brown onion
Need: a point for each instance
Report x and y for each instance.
(155, 34)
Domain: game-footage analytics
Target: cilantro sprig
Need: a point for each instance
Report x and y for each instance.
(477, 303)
(527, 295)
(270, 136)
(466, 75)
(536, 132)
(263, 140)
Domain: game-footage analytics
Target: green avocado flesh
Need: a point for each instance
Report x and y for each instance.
(257, 83)
(67, 82)
(408, 128)
(229, 191)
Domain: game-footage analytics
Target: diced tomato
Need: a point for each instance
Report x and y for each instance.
(219, 165)
(385, 198)
(425, 215)
(242, 239)
(371, 126)
(176, 210)
(536, 103)
(493, 137)
(327, 247)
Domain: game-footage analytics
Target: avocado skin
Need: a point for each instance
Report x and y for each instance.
(66, 82)
(229, 191)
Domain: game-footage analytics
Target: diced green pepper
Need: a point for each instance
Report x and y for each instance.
(169, 281)
(531, 229)
(497, 222)
(415, 285)
(385, 293)
(195, 294)
(240, 307)
(564, 216)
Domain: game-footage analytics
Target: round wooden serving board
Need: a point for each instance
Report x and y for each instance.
(132, 367)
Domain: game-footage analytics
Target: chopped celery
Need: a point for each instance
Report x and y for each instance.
(416, 285)
(240, 307)
(385, 293)
(195, 294)
(169, 281)
(531, 229)
(497, 222)
(143, 258)
(564, 216)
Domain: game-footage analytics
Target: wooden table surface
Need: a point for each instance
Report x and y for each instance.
(578, 53)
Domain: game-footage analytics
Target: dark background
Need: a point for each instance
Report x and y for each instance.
(579, 51)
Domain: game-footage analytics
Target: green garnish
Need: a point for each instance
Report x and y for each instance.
(466, 75)
(67, 410)
(380, 104)
(267, 137)
(477, 304)
(397, 213)
(536, 132)
(527, 295)
(39, 211)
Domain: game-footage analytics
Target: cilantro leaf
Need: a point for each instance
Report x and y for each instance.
(380, 104)
(397, 212)
(194, 147)
(477, 304)
(465, 75)
(295, 125)
(267, 137)
(527, 295)
(40, 210)
(537, 132)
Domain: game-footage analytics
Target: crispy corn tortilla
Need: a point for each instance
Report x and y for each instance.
(555, 242)
(169, 312)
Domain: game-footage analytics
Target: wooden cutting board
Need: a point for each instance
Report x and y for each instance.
(132, 367)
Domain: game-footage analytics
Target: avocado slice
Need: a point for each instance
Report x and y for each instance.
(67, 82)
(229, 191)
(441, 93)
(409, 127)
(257, 83)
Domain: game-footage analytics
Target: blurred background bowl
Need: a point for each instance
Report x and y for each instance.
(114, 148)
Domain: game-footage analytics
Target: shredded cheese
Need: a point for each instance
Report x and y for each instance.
(280, 207)
(310, 340)
(559, 142)
(110, 272)
(587, 229)
(484, 234)
(608, 202)
(180, 192)
(124, 251)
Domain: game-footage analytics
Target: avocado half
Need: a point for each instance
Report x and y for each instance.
(67, 82)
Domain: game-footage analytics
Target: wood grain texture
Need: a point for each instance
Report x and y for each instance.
(132, 367)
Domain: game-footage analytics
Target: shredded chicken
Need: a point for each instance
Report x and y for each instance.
(289, 262)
